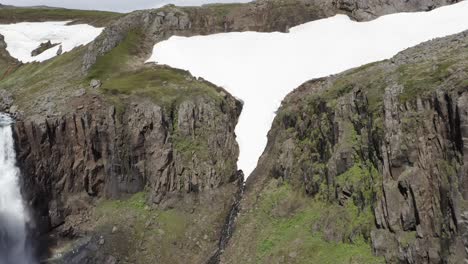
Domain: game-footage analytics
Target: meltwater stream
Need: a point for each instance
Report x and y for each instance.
(14, 248)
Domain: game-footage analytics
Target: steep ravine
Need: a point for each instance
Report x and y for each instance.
(371, 159)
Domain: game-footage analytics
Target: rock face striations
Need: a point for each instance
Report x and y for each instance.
(110, 154)
(99, 152)
(379, 152)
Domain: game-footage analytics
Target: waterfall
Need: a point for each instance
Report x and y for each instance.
(13, 217)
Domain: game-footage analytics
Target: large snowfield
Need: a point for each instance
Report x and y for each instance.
(23, 38)
(262, 68)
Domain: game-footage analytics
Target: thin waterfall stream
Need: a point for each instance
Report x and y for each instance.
(14, 246)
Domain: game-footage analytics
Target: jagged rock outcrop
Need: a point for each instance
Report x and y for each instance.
(389, 140)
(7, 63)
(43, 47)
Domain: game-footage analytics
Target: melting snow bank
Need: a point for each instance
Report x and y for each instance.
(23, 38)
(262, 68)
(13, 218)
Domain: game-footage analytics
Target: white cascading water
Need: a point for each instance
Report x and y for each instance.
(13, 217)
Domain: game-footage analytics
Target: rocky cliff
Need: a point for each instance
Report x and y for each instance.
(7, 63)
(140, 166)
(372, 158)
(98, 151)
(144, 155)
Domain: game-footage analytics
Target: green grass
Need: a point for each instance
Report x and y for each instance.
(191, 146)
(95, 18)
(422, 78)
(7, 63)
(139, 225)
(222, 10)
(31, 80)
(188, 230)
(117, 60)
(291, 226)
(164, 85)
(5, 66)
(364, 179)
(369, 78)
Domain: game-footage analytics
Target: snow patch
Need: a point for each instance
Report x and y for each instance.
(23, 38)
(262, 68)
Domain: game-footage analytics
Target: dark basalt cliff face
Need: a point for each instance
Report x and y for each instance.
(379, 152)
(110, 154)
(101, 153)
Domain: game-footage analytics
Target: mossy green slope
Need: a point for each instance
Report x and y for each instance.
(286, 228)
(121, 76)
(121, 72)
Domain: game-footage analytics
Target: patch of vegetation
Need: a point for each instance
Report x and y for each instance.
(7, 63)
(191, 146)
(293, 228)
(369, 79)
(119, 59)
(137, 232)
(137, 226)
(222, 10)
(165, 86)
(363, 180)
(173, 223)
(422, 78)
(6, 67)
(31, 80)
(19, 14)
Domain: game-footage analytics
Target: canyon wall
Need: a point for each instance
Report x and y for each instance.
(374, 156)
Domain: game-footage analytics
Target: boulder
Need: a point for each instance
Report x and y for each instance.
(95, 84)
